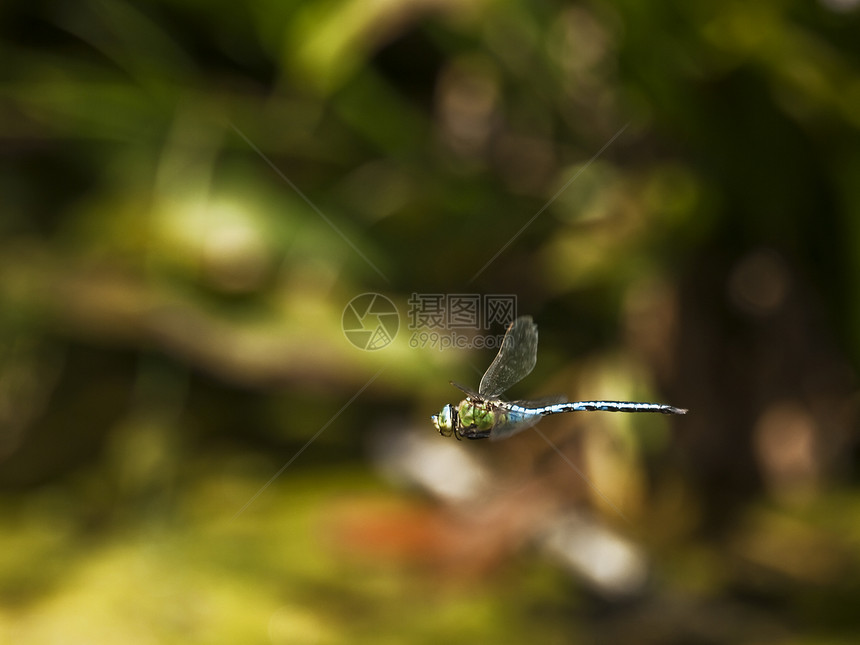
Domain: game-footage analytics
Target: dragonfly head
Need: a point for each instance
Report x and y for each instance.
(445, 421)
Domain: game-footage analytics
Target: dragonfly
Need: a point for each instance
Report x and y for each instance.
(484, 414)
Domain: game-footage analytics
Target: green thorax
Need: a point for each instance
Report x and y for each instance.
(478, 416)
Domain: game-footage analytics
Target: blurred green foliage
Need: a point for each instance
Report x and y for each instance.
(193, 192)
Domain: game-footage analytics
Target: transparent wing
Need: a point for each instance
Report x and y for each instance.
(517, 422)
(469, 391)
(515, 360)
(543, 401)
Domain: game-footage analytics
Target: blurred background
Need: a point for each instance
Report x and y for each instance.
(193, 451)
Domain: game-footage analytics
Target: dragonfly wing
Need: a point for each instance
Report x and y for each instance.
(543, 401)
(469, 391)
(516, 423)
(515, 360)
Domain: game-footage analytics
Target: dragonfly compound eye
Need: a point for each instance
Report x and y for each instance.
(444, 421)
